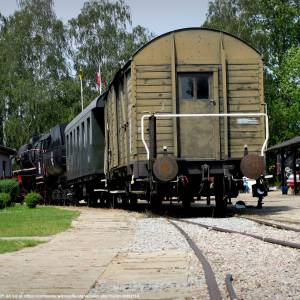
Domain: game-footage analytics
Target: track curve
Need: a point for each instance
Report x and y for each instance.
(213, 289)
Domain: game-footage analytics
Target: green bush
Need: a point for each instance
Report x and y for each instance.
(5, 200)
(32, 199)
(10, 186)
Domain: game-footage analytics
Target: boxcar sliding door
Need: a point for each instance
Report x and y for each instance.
(198, 94)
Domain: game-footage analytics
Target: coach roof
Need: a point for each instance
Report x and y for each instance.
(97, 102)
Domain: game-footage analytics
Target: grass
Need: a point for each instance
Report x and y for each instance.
(15, 245)
(19, 221)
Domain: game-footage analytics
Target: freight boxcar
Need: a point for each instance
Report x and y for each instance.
(181, 115)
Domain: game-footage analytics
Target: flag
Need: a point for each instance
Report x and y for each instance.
(99, 79)
(80, 74)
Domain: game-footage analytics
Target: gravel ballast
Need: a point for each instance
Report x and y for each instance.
(260, 270)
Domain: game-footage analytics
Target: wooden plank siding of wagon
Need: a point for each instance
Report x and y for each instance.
(134, 132)
(115, 137)
(125, 119)
(129, 113)
(121, 122)
(154, 99)
(244, 96)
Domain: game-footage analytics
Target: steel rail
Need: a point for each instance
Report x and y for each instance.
(229, 287)
(266, 223)
(233, 115)
(258, 237)
(213, 289)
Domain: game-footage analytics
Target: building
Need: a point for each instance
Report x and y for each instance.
(288, 162)
(5, 161)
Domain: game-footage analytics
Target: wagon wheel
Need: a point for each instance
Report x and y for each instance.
(102, 199)
(155, 201)
(185, 197)
(220, 199)
(132, 200)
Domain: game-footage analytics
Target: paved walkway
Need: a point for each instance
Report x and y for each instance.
(277, 208)
(71, 262)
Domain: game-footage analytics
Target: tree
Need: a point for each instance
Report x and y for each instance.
(40, 57)
(100, 36)
(286, 110)
(273, 27)
(32, 66)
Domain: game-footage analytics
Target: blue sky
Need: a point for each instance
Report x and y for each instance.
(159, 16)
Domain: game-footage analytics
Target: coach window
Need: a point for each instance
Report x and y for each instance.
(71, 142)
(195, 86)
(78, 137)
(82, 134)
(88, 128)
(67, 144)
(74, 141)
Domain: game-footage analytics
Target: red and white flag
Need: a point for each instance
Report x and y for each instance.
(99, 83)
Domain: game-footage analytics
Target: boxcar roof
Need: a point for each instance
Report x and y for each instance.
(127, 64)
(97, 102)
(195, 28)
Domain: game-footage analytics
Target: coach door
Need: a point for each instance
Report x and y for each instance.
(198, 136)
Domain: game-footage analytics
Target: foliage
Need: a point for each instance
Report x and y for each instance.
(33, 199)
(39, 86)
(273, 27)
(42, 221)
(99, 36)
(15, 245)
(10, 186)
(286, 106)
(36, 40)
(4, 200)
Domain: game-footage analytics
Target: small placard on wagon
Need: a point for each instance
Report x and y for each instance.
(247, 121)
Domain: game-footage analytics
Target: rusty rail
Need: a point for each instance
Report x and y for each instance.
(264, 239)
(229, 287)
(213, 289)
(266, 223)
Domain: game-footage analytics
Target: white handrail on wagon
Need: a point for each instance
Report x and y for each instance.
(233, 115)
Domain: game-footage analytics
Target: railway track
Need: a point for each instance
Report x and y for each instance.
(213, 289)
(270, 224)
(212, 285)
(255, 236)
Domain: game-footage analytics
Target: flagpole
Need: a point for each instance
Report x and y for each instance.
(5, 118)
(81, 89)
(100, 86)
(81, 94)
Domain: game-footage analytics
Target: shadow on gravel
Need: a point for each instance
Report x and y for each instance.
(198, 210)
(204, 211)
(177, 211)
(264, 211)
